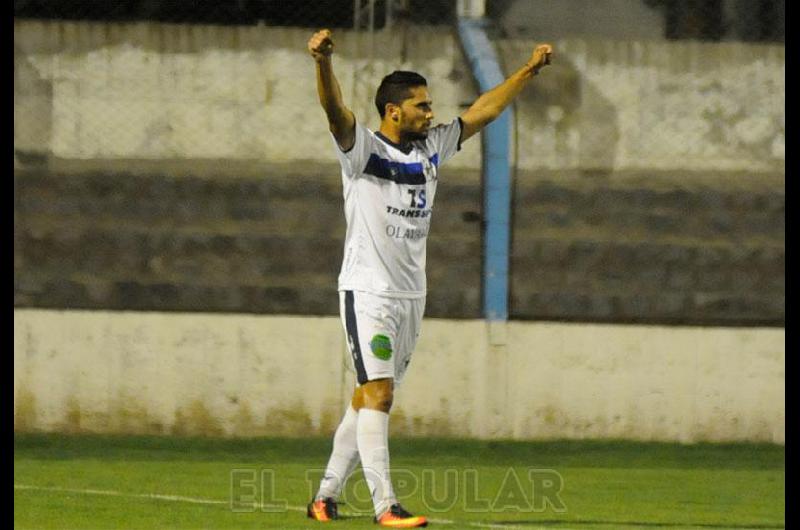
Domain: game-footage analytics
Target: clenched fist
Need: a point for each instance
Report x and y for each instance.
(540, 58)
(320, 45)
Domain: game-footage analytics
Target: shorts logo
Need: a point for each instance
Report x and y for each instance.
(381, 347)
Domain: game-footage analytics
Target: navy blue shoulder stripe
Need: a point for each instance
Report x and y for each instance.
(399, 172)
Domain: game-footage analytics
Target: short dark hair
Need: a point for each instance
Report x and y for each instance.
(395, 87)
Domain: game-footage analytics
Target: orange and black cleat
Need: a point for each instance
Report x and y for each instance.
(397, 517)
(322, 510)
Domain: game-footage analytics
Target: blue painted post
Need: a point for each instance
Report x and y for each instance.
(496, 148)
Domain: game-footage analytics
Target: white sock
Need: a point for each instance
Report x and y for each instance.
(344, 457)
(373, 447)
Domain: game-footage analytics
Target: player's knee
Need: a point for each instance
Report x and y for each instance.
(378, 395)
(357, 400)
(384, 405)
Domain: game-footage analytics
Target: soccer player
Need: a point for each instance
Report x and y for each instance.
(389, 178)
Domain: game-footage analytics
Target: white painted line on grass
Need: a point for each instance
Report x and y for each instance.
(113, 493)
(196, 500)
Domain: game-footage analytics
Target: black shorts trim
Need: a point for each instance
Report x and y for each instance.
(352, 334)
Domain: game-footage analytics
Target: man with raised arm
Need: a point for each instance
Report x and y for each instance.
(389, 179)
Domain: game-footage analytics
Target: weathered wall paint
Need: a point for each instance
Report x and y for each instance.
(159, 91)
(242, 375)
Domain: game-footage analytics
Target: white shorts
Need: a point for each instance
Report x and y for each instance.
(381, 333)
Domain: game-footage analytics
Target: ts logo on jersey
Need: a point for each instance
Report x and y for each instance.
(418, 199)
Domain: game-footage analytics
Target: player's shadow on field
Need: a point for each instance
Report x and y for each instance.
(616, 524)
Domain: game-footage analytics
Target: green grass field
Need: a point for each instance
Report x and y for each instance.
(99, 482)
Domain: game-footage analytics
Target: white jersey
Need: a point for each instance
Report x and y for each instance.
(389, 192)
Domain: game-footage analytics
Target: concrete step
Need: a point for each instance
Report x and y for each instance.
(581, 248)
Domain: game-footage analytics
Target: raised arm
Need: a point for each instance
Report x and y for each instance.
(492, 103)
(341, 120)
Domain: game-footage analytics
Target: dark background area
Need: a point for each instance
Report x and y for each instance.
(753, 20)
(331, 13)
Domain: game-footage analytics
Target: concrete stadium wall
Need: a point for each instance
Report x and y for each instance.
(160, 91)
(606, 105)
(240, 375)
(154, 170)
